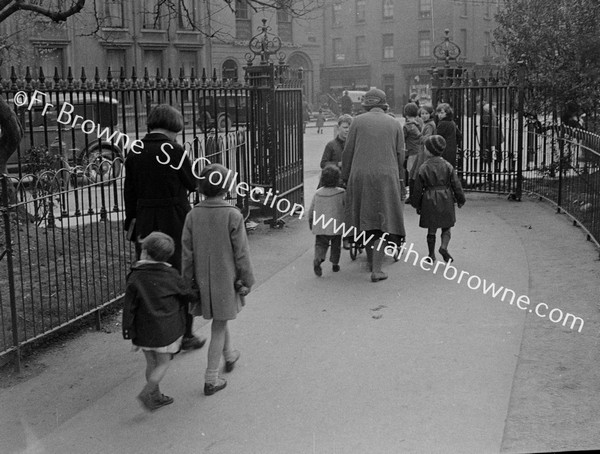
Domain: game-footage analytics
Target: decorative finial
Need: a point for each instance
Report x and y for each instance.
(264, 44)
(447, 50)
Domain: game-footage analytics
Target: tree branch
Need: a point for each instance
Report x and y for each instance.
(55, 16)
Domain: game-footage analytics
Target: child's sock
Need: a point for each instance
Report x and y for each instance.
(211, 376)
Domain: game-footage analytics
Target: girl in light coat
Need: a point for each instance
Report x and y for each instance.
(216, 258)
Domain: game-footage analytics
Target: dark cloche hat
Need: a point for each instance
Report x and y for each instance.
(374, 98)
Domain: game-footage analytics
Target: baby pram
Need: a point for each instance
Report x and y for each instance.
(356, 247)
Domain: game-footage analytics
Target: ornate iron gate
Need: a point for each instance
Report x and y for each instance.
(276, 127)
(489, 115)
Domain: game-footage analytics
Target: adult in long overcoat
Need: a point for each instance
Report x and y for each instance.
(158, 179)
(373, 167)
(218, 259)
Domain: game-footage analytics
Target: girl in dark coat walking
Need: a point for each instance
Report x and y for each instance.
(154, 309)
(157, 182)
(437, 188)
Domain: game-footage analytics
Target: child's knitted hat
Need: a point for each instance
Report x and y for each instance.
(435, 144)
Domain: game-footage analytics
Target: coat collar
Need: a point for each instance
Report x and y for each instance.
(150, 265)
(213, 203)
(156, 137)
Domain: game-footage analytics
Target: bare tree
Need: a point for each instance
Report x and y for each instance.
(52, 10)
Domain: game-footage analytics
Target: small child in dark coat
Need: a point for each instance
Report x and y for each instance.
(155, 305)
(437, 188)
(325, 213)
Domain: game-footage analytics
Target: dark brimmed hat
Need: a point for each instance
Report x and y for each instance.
(374, 98)
(435, 144)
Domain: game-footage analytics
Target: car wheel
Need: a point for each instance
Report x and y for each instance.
(101, 164)
(224, 123)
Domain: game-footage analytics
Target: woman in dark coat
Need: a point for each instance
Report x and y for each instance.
(373, 167)
(437, 188)
(157, 182)
(447, 128)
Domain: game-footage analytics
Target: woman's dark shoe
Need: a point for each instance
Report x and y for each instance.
(211, 388)
(447, 257)
(230, 363)
(335, 268)
(378, 276)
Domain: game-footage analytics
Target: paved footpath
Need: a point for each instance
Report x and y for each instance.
(414, 364)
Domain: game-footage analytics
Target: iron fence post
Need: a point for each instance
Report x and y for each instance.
(10, 271)
(561, 147)
(520, 126)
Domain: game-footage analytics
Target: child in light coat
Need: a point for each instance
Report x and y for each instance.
(216, 258)
(326, 212)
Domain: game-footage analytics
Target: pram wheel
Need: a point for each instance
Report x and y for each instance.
(354, 250)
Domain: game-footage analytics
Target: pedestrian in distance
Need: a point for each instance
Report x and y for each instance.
(320, 121)
(155, 304)
(373, 167)
(216, 259)
(327, 211)
(346, 104)
(437, 189)
(157, 183)
(412, 140)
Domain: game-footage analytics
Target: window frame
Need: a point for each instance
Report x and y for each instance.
(191, 9)
(422, 40)
(387, 51)
(336, 11)
(243, 21)
(361, 51)
(388, 5)
(336, 48)
(425, 13)
(109, 17)
(361, 11)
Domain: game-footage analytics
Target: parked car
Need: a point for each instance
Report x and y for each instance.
(100, 140)
(222, 110)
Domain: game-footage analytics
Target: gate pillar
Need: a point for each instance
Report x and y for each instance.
(276, 126)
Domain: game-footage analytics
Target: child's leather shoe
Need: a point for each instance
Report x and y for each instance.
(211, 388)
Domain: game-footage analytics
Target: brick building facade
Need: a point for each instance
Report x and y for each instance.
(389, 43)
